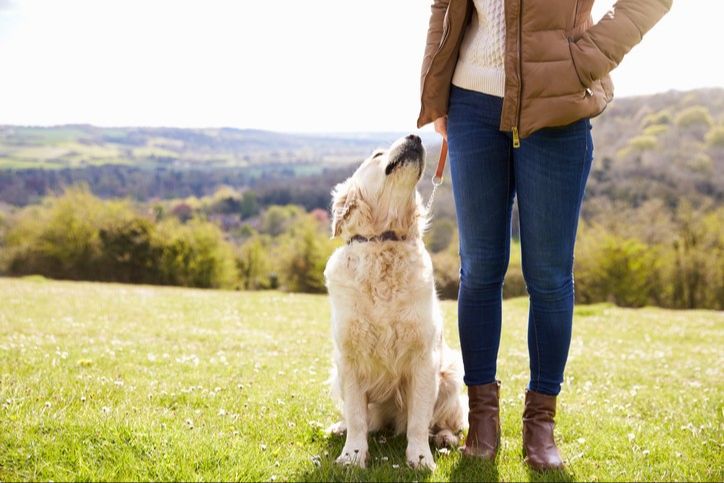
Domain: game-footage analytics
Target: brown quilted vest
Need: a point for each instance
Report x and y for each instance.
(557, 62)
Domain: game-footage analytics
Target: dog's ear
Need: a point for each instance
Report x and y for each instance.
(344, 200)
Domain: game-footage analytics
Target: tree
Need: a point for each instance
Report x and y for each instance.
(303, 254)
(254, 263)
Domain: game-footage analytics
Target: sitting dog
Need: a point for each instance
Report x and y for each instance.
(392, 368)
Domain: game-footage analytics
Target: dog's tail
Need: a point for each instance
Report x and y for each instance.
(451, 407)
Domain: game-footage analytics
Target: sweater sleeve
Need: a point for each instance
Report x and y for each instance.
(603, 46)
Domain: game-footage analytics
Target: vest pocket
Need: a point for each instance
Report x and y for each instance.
(586, 88)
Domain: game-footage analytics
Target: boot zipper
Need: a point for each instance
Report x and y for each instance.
(516, 138)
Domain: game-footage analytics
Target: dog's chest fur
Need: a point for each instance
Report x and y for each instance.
(381, 294)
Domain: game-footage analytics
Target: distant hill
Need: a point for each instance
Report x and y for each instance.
(666, 146)
(662, 146)
(79, 146)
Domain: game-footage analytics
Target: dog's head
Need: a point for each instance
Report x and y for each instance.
(382, 194)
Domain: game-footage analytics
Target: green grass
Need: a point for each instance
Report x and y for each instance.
(117, 382)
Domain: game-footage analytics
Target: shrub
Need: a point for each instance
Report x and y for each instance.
(657, 118)
(249, 204)
(278, 218)
(715, 136)
(655, 129)
(128, 251)
(612, 268)
(195, 255)
(695, 260)
(447, 274)
(255, 264)
(60, 238)
(80, 237)
(302, 255)
(643, 142)
(440, 235)
(693, 116)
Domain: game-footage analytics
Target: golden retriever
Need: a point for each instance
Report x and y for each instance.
(392, 368)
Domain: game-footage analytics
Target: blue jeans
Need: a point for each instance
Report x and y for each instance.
(548, 173)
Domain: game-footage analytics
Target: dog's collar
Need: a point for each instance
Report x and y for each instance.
(386, 235)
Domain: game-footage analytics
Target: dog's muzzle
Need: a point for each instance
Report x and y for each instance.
(409, 150)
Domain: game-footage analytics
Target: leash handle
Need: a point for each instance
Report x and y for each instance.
(437, 177)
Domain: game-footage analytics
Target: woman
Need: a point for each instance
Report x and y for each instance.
(512, 85)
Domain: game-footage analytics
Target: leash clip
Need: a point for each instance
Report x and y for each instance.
(437, 177)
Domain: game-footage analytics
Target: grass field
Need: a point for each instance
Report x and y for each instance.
(114, 382)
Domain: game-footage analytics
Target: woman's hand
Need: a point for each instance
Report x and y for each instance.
(441, 126)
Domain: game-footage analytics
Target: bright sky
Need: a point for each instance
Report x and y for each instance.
(286, 65)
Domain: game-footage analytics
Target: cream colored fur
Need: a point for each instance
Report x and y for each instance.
(392, 367)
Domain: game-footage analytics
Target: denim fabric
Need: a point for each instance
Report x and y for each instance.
(548, 174)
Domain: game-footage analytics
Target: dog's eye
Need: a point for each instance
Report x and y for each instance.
(378, 154)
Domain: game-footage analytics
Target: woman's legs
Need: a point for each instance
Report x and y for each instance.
(551, 168)
(548, 173)
(483, 183)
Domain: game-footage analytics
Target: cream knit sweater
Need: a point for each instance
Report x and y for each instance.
(480, 64)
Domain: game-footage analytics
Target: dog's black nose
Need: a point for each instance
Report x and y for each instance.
(414, 138)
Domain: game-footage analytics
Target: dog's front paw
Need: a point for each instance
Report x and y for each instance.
(353, 456)
(420, 457)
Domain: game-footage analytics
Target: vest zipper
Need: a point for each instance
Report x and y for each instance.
(516, 138)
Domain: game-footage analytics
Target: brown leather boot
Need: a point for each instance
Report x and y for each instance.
(484, 417)
(539, 447)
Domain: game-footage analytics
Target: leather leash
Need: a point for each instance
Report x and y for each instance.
(437, 177)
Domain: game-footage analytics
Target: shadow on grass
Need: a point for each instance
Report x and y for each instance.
(552, 475)
(473, 469)
(387, 461)
(563, 475)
